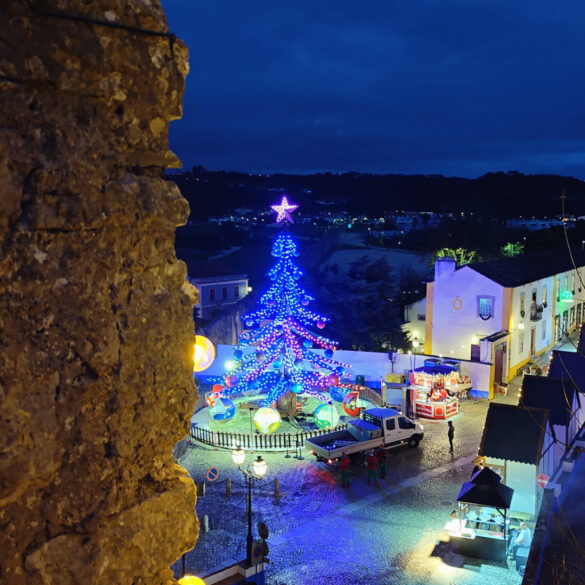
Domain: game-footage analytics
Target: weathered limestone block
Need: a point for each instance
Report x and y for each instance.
(96, 332)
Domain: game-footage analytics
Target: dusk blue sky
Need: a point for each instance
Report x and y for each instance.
(454, 87)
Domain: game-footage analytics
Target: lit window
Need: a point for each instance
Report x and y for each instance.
(485, 307)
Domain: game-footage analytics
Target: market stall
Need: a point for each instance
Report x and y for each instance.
(436, 390)
(479, 528)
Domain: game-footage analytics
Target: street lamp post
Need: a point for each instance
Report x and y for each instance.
(255, 471)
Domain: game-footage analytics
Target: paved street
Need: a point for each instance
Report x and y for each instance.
(322, 533)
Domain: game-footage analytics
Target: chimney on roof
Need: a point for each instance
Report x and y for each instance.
(443, 267)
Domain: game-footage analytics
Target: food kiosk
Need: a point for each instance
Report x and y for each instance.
(479, 528)
(436, 390)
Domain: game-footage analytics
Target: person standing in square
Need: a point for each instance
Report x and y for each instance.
(451, 434)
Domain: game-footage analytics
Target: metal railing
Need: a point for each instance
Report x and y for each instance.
(274, 442)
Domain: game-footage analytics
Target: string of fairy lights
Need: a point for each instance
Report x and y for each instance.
(276, 352)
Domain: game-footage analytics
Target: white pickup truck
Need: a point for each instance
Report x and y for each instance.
(376, 426)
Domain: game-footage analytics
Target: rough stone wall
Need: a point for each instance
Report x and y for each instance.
(95, 315)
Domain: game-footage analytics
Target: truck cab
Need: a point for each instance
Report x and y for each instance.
(394, 427)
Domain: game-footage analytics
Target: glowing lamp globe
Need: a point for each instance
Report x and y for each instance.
(223, 410)
(266, 420)
(326, 416)
(320, 324)
(190, 580)
(204, 353)
(338, 394)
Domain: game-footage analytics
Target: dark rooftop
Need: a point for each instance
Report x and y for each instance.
(568, 365)
(526, 268)
(514, 433)
(555, 394)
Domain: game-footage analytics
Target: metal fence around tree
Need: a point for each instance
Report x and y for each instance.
(275, 442)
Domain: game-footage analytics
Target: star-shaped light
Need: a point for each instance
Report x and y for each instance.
(284, 210)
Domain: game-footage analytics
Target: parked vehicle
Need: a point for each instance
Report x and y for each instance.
(375, 427)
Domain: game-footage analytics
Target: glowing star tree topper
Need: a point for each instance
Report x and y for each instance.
(284, 210)
(275, 355)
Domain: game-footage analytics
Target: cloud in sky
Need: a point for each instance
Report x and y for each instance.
(456, 87)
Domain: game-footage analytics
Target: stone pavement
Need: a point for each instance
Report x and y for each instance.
(322, 533)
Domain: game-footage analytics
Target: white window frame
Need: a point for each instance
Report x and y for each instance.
(489, 298)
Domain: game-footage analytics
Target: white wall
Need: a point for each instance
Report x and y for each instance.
(455, 329)
(516, 356)
(521, 477)
(372, 365)
(413, 327)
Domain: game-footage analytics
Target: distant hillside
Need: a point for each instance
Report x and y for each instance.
(499, 194)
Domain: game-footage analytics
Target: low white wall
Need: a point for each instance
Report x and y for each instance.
(373, 366)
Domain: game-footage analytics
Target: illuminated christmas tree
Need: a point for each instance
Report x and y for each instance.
(275, 354)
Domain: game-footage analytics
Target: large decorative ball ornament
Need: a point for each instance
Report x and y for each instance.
(320, 324)
(204, 353)
(305, 302)
(260, 356)
(326, 416)
(337, 393)
(249, 323)
(223, 410)
(231, 380)
(352, 403)
(328, 353)
(297, 388)
(298, 363)
(217, 388)
(307, 343)
(238, 353)
(333, 379)
(277, 364)
(266, 420)
(279, 329)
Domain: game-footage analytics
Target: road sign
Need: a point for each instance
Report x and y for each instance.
(542, 480)
(263, 530)
(212, 473)
(257, 552)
